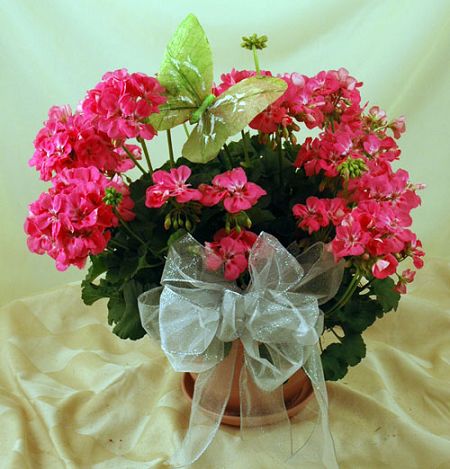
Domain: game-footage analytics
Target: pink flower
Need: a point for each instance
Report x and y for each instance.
(171, 184)
(120, 104)
(233, 189)
(398, 126)
(246, 237)
(71, 220)
(350, 239)
(313, 215)
(228, 253)
(71, 141)
(385, 266)
(336, 209)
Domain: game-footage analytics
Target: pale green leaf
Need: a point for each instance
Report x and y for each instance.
(186, 74)
(229, 114)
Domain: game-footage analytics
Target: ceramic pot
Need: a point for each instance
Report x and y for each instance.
(296, 391)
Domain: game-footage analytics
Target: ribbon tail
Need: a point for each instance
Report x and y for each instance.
(264, 412)
(319, 446)
(211, 393)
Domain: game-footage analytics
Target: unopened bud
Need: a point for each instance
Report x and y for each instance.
(167, 222)
(112, 197)
(352, 168)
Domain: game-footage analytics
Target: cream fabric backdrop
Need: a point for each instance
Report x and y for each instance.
(72, 395)
(53, 51)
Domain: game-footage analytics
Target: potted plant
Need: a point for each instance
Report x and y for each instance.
(232, 238)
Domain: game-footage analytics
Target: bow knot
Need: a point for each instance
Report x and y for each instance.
(277, 318)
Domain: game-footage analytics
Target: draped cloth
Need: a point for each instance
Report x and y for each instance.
(196, 314)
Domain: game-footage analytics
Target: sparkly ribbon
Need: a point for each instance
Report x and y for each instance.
(196, 314)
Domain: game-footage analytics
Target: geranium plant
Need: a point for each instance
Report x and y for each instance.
(338, 187)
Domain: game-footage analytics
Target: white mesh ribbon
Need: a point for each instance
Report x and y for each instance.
(196, 312)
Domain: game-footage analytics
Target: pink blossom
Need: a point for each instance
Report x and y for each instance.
(350, 239)
(313, 215)
(71, 141)
(336, 209)
(385, 266)
(71, 220)
(171, 184)
(398, 126)
(120, 104)
(246, 237)
(228, 253)
(233, 189)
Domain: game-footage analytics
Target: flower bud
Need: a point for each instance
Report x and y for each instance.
(167, 222)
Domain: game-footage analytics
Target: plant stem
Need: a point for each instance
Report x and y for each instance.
(256, 60)
(228, 160)
(127, 228)
(116, 243)
(186, 131)
(133, 159)
(169, 143)
(347, 294)
(280, 160)
(147, 156)
(244, 140)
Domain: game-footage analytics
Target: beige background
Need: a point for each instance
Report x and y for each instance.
(53, 51)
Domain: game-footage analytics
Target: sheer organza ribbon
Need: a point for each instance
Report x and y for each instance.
(196, 314)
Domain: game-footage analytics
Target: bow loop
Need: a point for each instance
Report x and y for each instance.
(272, 267)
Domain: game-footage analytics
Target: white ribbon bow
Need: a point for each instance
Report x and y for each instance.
(196, 313)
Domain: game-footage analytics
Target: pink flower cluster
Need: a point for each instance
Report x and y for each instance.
(72, 141)
(120, 104)
(308, 100)
(229, 252)
(83, 154)
(319, 213)
(232, 188)
(372, 215)
(71, 220)
(171, 184)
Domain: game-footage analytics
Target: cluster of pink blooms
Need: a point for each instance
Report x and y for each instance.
(171, 184)
(371, 214)
(310, 100)
(230, 252)
(71, 220)
(232, 188)
(72, 141)
(121, 102)
(83, 154)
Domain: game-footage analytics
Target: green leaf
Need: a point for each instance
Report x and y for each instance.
(358, 314)
(334, 368)
(229, 114)
(259, 216)
(186, 74)
(385, 293)
(337, 357)
(123, 311)
(90, 292)
(97, 267)
(353, 349)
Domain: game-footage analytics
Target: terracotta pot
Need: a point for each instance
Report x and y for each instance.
(296, 391)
